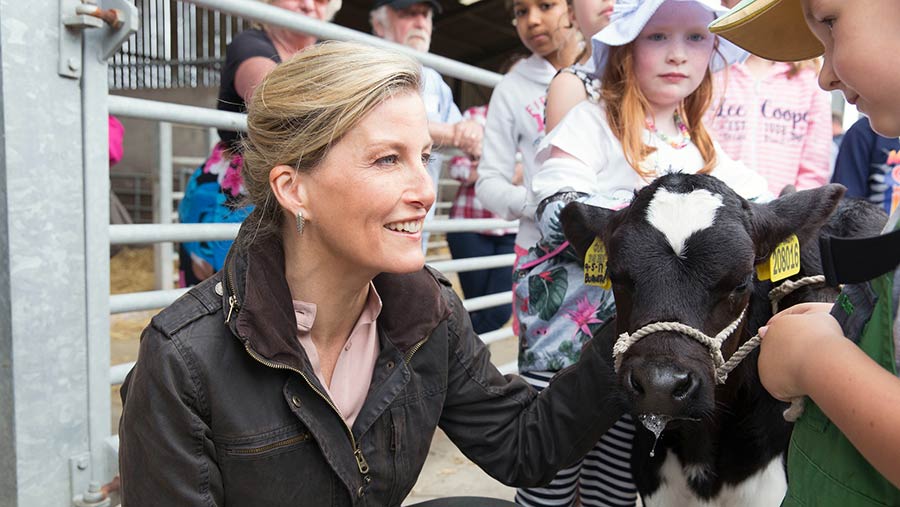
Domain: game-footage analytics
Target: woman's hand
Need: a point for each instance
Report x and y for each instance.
(791, 343)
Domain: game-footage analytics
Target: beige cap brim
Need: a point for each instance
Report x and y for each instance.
(772, 29)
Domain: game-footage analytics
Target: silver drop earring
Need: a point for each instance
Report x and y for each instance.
(301, 222)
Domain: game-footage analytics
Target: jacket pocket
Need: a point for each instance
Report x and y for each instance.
(280, 467)
(264, 444)
(269, 448)
(412, 430)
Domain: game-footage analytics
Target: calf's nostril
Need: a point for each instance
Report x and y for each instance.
(635, 383)
(684, 385)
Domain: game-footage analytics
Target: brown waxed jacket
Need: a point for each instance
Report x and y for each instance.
(223, 407)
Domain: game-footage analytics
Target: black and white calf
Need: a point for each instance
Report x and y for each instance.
(685, 251)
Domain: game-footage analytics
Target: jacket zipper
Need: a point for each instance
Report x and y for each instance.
(232, 298)
(232, 302)
(415, 348)
(361, 462)
(357, 452)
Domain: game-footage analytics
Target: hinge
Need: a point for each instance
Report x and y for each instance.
(85, 492)
(75, 16)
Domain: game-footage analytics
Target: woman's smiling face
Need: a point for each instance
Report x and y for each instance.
(366, 201)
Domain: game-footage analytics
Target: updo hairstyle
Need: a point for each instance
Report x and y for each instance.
(305, 106)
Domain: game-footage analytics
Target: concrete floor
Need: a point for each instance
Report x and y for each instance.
(448, 473)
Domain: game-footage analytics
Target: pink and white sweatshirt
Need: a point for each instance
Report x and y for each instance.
(778, 126)
(515, 123)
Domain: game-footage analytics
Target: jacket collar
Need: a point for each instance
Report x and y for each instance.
(263, 314)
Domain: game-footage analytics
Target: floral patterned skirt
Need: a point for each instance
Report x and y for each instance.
(557, 312)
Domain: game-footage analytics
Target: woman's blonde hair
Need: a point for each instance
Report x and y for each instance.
(306, 105)
(627, 107)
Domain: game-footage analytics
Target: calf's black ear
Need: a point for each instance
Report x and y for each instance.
(788, 189)
(801, 213)
(581, 223)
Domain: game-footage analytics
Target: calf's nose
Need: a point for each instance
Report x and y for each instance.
(660, 389)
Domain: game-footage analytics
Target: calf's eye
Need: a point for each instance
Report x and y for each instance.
(743, 286)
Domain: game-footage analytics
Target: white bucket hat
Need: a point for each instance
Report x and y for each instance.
(629, 17)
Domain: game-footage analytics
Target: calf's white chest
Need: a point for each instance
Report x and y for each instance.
(764, 489)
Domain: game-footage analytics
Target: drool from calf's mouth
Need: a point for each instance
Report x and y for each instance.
(655, 423)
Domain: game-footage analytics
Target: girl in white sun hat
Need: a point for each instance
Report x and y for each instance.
(655, 60)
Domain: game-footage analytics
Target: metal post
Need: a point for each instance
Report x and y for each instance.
(43, 353)
(95, 135)
(54, 322)
(212, 138)
(98, 46)
(162, 252)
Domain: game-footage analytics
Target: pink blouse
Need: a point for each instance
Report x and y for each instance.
(353, 371)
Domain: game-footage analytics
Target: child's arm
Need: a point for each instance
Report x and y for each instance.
(565, 92)
(497, 167)
(562, 172)
(815, 167)
(573, 155)
(804, 352)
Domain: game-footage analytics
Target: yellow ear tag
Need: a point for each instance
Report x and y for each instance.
(595, 262)
(784, 261)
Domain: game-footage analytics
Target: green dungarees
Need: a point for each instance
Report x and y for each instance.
(824, 469)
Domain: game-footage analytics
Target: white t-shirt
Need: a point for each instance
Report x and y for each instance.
(599, 167)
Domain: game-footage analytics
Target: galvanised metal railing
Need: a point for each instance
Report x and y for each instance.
(167, 113)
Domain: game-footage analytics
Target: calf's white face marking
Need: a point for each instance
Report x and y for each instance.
(678, 216)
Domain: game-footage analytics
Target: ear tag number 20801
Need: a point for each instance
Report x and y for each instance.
(784, 261)
(595, 265)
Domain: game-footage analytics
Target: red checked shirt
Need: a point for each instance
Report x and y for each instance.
(466, 205)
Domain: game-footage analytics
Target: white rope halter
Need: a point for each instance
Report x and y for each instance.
(714, 344)
(788, 286)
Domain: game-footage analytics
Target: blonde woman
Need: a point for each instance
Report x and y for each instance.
(316, 366)
(216, 188)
